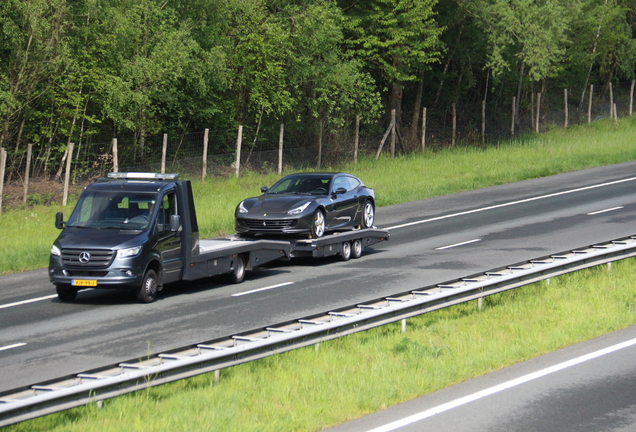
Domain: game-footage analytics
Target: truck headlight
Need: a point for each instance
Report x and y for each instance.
(241, 207)
(299, 210)
(130, 252)
(55, 251)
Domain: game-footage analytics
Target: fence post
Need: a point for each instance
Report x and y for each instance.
(454, 132)
(3, 164)
(483, 121)
(320, 145)
(611, 91)
(356, 142)
(115, 157)
(537, 127)
(566, 112)
(27, 172)
(280, 149)
(423, 129)
(393, 134)
(239, 141)
(631, 98)
(204, 168)
(512, 122)
(163, 153)
(67, 175)
(589, 104)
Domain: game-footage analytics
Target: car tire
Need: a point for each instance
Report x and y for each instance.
(238, 274)
(66, 293)
(356, 248)
(368, 215)
(345, 254)
(147, 292)
(318, 224)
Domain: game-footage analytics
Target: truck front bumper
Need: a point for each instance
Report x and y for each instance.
(115, 276)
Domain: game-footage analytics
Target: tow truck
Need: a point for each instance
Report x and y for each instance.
(139, 231)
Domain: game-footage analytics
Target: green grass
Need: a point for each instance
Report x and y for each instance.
(309, 389)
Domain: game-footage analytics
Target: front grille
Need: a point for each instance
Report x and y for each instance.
(85, 273)
(269, 224)
(97, 258)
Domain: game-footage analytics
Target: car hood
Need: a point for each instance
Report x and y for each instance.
(278, 203)
(80, 238)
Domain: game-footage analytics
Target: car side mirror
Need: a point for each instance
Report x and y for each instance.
(59, 220)
(264, 189)
(340, 191)
(175, 223)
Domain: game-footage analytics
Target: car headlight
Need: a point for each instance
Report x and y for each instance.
(55, 251)
(299, 210)
(241, 207)
(130, 252)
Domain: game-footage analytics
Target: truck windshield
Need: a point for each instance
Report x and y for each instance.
(121, 210)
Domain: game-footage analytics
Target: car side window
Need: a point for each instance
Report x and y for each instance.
(353, 183)
(167, 208)
(340, 182)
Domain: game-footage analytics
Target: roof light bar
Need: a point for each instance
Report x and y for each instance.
(142, 175)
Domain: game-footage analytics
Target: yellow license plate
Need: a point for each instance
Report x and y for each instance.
(84, 282)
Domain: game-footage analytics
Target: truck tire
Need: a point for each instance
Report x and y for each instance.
(66, 293)
(368, 215)
(238, 274)
(345, 254)
(147, 292)
(356, 248)
(318, 224)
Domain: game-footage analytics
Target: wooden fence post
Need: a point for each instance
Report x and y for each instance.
(280, 149)
(566, 112)
(512, 121)
(320, 145)
(454, 131)
(393, 134)
(3, 165)
(611, 91)
(67, 174)
(483, 121)
(589, 104)
(356, 141)
(631, 98)
(537, 127)
(115, 157)
(164, 150)
(204, 164)
(423, 129)
(27, 173)
(239, 141)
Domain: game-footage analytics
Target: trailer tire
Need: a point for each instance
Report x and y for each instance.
(66, 293)
(147, 292)
(356, 248)
(238, 274)
(345, 254)
(368, 215)
(318, 224)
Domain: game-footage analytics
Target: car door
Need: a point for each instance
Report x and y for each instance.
(169, 242)
(345, 203)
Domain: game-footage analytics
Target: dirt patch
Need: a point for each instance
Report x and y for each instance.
(41, 191)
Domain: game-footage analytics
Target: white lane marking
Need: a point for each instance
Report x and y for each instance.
(511, 203)
(458, 244)
(262, 289)
(501, 387)
(8, 347)
(23, 302)
(605, 211)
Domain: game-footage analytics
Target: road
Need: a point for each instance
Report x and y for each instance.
(588, 387)
(432, 241)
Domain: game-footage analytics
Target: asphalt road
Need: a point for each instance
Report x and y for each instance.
(432, 241)
(588, 387)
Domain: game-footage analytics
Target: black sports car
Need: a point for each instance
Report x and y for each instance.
(308, 203)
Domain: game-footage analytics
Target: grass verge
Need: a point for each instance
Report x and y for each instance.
(309, 389)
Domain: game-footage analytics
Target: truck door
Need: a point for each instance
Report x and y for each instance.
(169, 242)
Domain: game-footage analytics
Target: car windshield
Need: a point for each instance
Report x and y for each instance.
(313, 185)
(121, 210)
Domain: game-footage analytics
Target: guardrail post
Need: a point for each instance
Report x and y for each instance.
(217, 376)
(404, 326)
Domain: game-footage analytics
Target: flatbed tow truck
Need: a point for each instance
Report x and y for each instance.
(139, 231)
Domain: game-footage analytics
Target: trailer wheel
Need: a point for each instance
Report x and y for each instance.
(66, 293)
(318, 224)
(147, 292)
(368, 215)
(238, 275)
(356, 248)
(345, 255)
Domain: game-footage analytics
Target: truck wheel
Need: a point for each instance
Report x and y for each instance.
(147, 292)
(66, 293)
(318, 224)
(356, 248)
(238, 274)
(368, 215)
(345, 254)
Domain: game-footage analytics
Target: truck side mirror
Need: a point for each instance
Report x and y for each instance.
(175, 222)
(59, 220)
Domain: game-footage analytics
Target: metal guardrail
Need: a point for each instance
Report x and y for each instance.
(99, 384)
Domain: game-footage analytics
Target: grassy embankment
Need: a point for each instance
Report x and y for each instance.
(307, 390)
